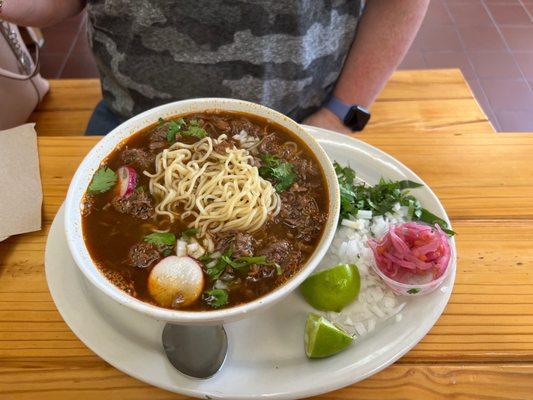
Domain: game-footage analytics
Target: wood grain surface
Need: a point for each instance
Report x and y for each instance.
(416, 101)
(481, 347)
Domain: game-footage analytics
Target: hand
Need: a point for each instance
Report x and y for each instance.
(324, 118)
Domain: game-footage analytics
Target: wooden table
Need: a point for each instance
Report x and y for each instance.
(482, 347)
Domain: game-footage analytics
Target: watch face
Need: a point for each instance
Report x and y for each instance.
(357, 118)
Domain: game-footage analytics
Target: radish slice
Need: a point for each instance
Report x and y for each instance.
(127, 180)
(176, 281)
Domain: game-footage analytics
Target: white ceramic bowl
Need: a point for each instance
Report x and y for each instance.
(92, 161)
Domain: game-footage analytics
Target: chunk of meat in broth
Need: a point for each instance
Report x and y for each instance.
(158, 138)
(143, 255)
(222, 146)
(214, 124)
(138, 158)
(281, 252)
(300, 212)
(270, 145)
(304, 168)
(241, 244)
(138, 204)
(243, 124)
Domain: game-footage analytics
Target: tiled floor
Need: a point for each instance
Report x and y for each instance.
(491, 41)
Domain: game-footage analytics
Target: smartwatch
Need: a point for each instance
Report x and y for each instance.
(354, 116)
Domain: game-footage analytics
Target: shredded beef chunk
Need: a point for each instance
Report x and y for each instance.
(270, 145)
(142, 255)
(139, 158)
(220, 123)
(277, 251)
(282, 252)
(137, 203)
(124, 283)
(243, 124)
(158, 138)
(240, 243)
(304, 168)
(222, 146)
(259, 272)
(300, 212)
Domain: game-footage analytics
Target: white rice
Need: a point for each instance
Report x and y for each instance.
(376, 302)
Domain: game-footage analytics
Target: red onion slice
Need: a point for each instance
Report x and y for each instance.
(412, 249)
(127, 180)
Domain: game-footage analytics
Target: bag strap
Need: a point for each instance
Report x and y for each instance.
(30, 68)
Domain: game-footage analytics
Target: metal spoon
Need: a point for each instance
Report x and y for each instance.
(197, 351)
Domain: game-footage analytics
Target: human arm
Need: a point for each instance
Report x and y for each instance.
(385, 33)
(39, 13)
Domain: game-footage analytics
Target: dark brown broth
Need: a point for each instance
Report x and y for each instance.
(109, 234)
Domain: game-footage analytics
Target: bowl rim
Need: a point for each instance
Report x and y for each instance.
(112, 139)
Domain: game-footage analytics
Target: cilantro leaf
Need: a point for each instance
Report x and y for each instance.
(174, 128)
(277, 170)
(194, 129)
(413, 291)
(161, 239)
(219, 267)
(178, 126)
(188, 233)
(253, 260)
(432, 219)
(240, 264)
(216, 298)
(103, 180)
(381, 198)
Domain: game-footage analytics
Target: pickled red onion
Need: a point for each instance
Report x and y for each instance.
(412, 249)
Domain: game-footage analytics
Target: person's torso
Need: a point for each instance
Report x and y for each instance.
(284, 54)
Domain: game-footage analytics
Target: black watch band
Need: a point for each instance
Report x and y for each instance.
(353, 116)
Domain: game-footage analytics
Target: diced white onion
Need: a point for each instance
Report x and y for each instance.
(181, 248)
(364, 214)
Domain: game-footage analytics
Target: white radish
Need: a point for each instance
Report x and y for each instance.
(176, 281)
(127, 180)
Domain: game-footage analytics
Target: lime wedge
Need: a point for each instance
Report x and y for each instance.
(332, 289)
(322, 338)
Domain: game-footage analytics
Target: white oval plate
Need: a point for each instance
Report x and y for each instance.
(266, 357)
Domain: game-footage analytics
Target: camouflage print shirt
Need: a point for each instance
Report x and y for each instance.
(285, 54)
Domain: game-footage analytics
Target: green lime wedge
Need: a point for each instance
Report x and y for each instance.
(322, 338)
(332, 289)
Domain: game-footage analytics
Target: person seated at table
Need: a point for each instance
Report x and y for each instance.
(320, 62)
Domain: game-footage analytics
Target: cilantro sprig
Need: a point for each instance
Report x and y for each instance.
(179, 126)
(103, 180)
(193, 128)
(381, 198)
(216, 298)
(164, 241)
(161, 239)
(189, 233)
(281, 172)
(219, 265)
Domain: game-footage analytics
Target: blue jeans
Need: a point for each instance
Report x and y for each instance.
(102, 120)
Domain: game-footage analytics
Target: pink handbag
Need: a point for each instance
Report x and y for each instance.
(21, 86)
